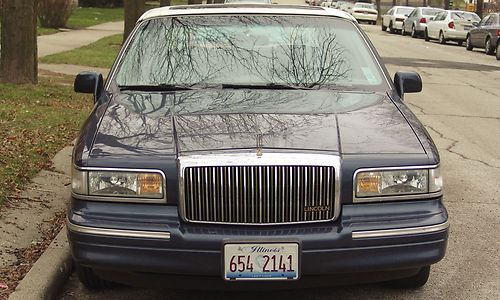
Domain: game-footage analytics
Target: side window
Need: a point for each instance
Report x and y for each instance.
(390, 12)
(485, 21)
(413, 13)
(490, 21)
(438, 17)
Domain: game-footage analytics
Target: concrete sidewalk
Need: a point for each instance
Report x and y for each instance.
(69, 40)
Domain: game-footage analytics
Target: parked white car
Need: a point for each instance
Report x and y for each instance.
(394, 18)
(364, 12)
(416, 22)
(346, 6)
(328, 3)
(451, 25)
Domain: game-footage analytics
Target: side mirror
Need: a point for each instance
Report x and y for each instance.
(89, 83)
(475, 24)
(407, 82)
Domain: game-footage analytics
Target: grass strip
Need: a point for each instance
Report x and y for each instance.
(100, 54)
(35, 123)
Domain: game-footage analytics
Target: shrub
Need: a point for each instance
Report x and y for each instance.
(100, 3)
(55, 13)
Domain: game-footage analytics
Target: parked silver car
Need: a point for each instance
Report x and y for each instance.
(451, 25)
(394, 18)
(486, 35)
(416, 22)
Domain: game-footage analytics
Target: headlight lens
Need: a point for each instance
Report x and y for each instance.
(125, 184)
(397, 182)
(118, 184)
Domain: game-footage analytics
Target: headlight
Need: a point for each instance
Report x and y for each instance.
(124, 184)
(376, 183)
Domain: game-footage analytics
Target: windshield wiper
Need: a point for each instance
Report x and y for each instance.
(155, 88)
(267, 86)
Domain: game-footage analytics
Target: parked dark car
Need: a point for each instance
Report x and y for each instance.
(485, 35)
(253, 144)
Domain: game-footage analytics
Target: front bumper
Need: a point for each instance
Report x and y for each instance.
(364, 17)
(373, 237)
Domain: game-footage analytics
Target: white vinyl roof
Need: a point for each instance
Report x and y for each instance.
(211, 9)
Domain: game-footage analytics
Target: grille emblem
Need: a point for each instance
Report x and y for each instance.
(259, 145)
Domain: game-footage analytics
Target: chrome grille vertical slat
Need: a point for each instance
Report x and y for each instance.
(259, 194)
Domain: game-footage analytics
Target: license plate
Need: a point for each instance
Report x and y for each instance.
(261, 261)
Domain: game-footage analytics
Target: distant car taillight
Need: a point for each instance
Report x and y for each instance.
(451, 25)
(498, 32)
(422, 20)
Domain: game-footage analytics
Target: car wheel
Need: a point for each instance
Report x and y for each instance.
(414, 282)
(441, 38)
(460, 43)
(413, 32)
(383, 27)
(426, 35)
(391, 30)
(90, 280)
(488, 48)
(498, 50)
(468, 43)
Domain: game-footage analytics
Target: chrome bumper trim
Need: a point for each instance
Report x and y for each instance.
(399, 231)
(117, 232)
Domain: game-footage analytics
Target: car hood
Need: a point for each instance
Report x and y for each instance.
(179, 123)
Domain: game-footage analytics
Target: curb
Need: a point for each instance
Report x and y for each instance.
(49, 273)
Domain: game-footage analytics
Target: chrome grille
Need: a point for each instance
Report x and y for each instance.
(269, 194)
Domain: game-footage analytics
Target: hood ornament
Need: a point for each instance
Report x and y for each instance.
(259, 144)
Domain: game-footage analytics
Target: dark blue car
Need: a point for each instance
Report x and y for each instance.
(249, 145)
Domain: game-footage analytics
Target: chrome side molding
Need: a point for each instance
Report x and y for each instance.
(399, 231)
(117, 232)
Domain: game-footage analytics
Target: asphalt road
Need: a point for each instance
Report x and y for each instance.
(460, 107)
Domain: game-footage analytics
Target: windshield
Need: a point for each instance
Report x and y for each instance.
(404, 11)
(252, 50)
(364, 5)
(465, 16)
(430, 11)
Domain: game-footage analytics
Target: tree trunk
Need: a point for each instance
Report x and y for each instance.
(133, 9)
(378, 7)
(164, 2)
(393, 2)
(18, 61)
(479, 8)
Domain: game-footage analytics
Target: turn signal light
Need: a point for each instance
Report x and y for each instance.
(422, 20)
(368, 183)
(498, 32)
(149, 183)
(451, 25)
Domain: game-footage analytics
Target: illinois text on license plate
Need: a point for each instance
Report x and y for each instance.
(261, 261)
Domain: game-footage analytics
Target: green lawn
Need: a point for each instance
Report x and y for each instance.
(87, 16)
(35, 123)
(100, 54)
